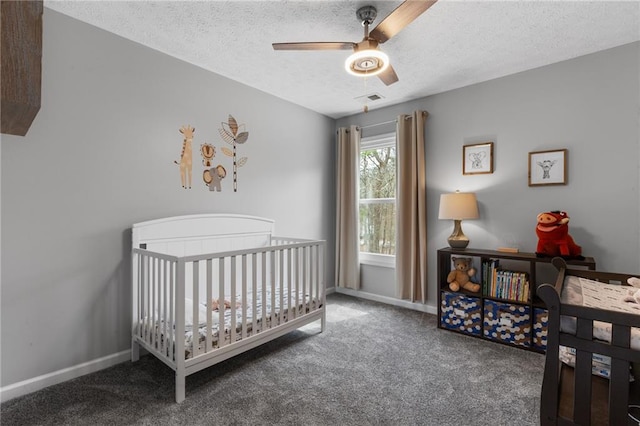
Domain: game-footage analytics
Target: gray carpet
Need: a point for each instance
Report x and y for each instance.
(374, 365)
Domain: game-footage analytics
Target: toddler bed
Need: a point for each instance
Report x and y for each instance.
(208, 287)
(589, 326)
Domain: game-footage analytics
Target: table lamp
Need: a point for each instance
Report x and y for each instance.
(458, 206)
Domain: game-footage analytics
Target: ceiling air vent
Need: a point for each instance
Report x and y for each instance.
(370, 97)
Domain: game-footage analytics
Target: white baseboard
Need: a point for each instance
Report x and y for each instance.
(31, 385)
(388, 300)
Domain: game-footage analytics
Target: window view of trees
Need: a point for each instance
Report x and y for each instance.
(378, 200)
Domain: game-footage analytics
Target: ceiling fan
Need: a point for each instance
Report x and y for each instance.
(367, 59)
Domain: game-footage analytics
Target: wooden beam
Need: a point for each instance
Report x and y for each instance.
(21, 64)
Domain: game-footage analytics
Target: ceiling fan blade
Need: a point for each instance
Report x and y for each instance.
(388, 76)
(402, 16)
(327, 45)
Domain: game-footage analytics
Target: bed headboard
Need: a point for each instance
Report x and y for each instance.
(202, 233)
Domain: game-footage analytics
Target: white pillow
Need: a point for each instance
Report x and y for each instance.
(202, 314)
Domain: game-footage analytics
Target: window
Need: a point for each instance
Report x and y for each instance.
(378, 200)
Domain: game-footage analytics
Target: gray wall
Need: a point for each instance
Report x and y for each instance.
(588, 105)
(99, 157)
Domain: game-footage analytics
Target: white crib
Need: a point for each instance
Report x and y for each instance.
(182, 264)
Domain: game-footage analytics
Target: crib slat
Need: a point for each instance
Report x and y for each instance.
(179, 356)
(304, 279)
(244, 296)
(159, 303)
(299, 291)
(320, 273)
(172, 304)
(619, 381)
(147, 311)
(311, 279)
(147, 300)
(144, 300)
(289, 266)
(273, 288)
(323, 300)
(208, 337)
(296, 279)
(165, 306)
(314, 274)
(232, 301)
(195, 325)
(281, 282)
(582, 381)
(317, 268)
(140, 305)
(263, 294)
(135, 277)
(156, 305)
(221, 325)
(254, 277)
(152, 300)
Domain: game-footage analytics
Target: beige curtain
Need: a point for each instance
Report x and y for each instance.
(411, 226)
(347, 262)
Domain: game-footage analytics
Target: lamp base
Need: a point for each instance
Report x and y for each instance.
(457, 239)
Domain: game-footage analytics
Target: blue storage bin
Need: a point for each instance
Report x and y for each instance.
(461, 313)
(540, 327)
(506, 322)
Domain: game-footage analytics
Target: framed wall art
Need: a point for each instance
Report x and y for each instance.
(477, 159)
(548, 167)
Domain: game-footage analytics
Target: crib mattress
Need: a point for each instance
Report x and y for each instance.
(262, 303)
(584, 292)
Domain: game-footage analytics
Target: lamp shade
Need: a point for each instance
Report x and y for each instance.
(458, 206)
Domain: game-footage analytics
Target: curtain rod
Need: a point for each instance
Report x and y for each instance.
(407, 117)
(378, 124)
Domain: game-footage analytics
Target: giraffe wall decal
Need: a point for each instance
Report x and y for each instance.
(186, 157)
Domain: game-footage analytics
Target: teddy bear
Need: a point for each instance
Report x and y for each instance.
(634, 294)
(552, 230)
(460, 276)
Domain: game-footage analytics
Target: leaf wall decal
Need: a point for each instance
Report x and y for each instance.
(227, 151)
(226, 136)
(242, 137)
(242, 161)
(233, 125)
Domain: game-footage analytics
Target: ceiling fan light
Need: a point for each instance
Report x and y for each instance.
(368, 62)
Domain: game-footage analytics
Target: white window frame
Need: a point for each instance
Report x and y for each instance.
(379, 141)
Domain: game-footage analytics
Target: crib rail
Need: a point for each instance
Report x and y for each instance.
(264, 288)
(568, 395)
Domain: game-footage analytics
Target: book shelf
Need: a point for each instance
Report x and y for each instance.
(506, 309)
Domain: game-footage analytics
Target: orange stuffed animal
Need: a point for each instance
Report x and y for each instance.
(553, 236)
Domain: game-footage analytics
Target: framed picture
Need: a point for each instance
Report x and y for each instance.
(477, 159)
(548, 167)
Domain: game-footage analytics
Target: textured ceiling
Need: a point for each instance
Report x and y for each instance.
(453, 44)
